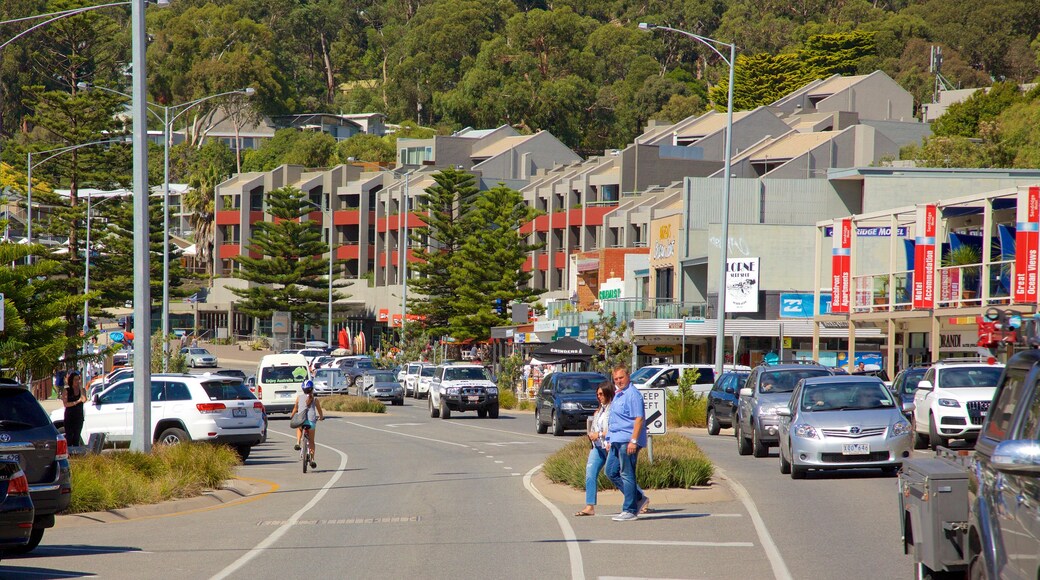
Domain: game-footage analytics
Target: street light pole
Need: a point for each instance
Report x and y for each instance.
(141, 438)
(86, 275)
(720, 334)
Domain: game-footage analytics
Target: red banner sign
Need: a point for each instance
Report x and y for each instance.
(924, 258)
(841, 256)
(1027, 246)
(384, 314)
(395, 320)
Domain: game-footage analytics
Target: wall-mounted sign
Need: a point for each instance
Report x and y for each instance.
(841, 254)
(742, 278)
(924, 258)
(546, 325)
(874, 232)
(384, 314)
(800, 305)
(660, 349)
(1027, 245)
(612, 288)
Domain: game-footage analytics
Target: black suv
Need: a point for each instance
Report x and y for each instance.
(566, 401)
(768, 388)
(26, 433)
(722, 400)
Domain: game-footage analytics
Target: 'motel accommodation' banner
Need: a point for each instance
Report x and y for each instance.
(924, 258)
(840, 271)
(1027, 246)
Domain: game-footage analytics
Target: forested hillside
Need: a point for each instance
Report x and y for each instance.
(578, 68)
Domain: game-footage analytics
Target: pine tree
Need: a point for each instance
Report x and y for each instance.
(443, 208)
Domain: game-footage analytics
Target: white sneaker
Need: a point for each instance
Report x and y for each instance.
(625, 517)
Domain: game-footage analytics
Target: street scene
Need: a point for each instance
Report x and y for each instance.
(457, 288)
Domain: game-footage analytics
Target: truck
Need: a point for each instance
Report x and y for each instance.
(976, 513)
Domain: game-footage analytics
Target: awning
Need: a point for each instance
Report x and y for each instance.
(566, 349)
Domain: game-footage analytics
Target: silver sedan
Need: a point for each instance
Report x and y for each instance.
(199, 357)
(330, 382)
(842, 422)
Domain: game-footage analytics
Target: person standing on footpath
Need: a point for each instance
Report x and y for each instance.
(73, 399)
(626, 433)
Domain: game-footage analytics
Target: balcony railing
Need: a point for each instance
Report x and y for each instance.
(629, 308)
(955, 287)
(881, 293)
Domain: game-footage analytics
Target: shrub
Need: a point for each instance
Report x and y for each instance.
(688, 411)
(507, 398)
(124, 478)
(352, 404)
(678, 462)
(525, 406)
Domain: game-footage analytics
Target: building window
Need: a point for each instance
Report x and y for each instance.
(664, 283)
(416, 155)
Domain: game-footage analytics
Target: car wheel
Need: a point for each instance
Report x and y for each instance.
(191, 363)
(243, 451)
(920, 441)
(445, 409)
(542, 428)
(493, 412)
(976, 569)
(785, 465)
(434, 411)
(173, 436)
(743, 445)
(34, 540)
(482, 413)
(758, 448)
(934, 439)
(557, 425)
(798, 472)
(713, 423)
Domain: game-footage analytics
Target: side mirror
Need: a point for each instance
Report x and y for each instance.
(97, 400)
(783, 412)
(925, 386)
(547, 391)
(909, 407)
(745, 392)
(1019, 455)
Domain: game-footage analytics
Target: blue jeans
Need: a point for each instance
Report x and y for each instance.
(621, 470)
(597, 457)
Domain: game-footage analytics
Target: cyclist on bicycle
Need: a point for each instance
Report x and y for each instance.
(309, 402)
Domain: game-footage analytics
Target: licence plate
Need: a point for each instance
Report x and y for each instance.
(239, 412)
(285, 395)
(473, 398)
(855, 449)
(11, 457)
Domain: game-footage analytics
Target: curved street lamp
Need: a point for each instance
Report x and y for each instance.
(402, 247)
(327, 218)
(720, 333)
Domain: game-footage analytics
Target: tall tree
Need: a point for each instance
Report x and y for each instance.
(443, 209)
(489, 263)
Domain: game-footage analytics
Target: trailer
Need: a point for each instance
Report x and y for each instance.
(933, 508)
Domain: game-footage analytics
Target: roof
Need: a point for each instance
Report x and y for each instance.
(493, 149)
(708, 124)
(834, 85)
(790, 146)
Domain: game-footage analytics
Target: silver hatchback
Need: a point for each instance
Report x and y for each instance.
(842, 422)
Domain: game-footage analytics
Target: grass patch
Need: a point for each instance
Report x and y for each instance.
(507, 399)
(352, 404)
(525, 406)
(688, 411)
(678, 463)
(124, 478)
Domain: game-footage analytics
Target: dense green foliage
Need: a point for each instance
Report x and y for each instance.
(352, 404)
(678, 463)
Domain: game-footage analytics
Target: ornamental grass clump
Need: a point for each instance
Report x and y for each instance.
(352, 404)
(678, 463)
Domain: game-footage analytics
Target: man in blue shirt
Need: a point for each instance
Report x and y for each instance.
(626, 434)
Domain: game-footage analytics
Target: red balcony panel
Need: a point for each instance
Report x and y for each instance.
(594, 215)
(256, 216)
(348, 252)
(541, 223)
(229, 251)
(371, 251)
(228, 217)
(346, 217)
(543, 261)
(527, 267)
(527, 228)
(560, 260)
(415, 220)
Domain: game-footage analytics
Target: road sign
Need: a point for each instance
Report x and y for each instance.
(655, 410)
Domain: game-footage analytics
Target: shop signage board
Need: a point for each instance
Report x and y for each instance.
(924, 258)
(799, 305)
(1027, 229)
(841, 254)
(742, 279)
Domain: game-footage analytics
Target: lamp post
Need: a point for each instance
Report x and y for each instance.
(402, 227)
(86, 273)
(720, 334)
(168, 122)
(327, 218)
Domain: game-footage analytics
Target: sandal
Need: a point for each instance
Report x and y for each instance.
(583, 513)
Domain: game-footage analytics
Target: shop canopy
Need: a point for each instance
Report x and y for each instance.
(564, 350)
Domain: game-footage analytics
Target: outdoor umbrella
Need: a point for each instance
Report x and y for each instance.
(564, 350)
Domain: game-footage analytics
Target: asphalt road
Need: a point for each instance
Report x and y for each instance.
(403, 495)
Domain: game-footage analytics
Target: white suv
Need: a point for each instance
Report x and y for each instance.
(214, 408)
(462, 387)
(952, 400)
(423, 381)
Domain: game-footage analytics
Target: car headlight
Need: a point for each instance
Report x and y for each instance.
(452, 390)
(570, 406)
(805, 431)
(900, 428)
(767, 412)
(949, 403)
(492, 390)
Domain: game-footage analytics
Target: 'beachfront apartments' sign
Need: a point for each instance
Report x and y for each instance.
(742, 278)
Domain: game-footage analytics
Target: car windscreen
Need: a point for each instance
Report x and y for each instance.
(19, 410)
(286, 374)
(644, 374)
(197, 351)
(383, 377)
(364, 364)
(910, 381)
(229, 390)
(413, 369)
(575, 385)
(845, 396)
(465, 374)
(958, 377)
(784, 381)
(428, 371)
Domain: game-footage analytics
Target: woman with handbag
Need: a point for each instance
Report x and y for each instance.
(307, 405)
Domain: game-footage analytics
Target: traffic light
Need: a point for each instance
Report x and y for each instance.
(499, 306)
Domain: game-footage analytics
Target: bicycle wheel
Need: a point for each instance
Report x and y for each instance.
(305, 449)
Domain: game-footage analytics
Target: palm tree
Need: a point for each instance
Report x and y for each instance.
(199, 202)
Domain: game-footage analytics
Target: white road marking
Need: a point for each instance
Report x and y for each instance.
(399, 434)
(499, 461)
(573, 549)
(275, 535)
(509, 443)
(402, 424)
(776, 561)
(490, 456)
(513, 433)
(672, 543)
(509, 468)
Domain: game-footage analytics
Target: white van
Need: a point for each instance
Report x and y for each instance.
(279, 379)
(667, 376)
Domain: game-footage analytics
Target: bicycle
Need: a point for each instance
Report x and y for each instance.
(305, 446)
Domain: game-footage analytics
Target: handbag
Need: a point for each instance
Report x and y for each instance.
(298, 419)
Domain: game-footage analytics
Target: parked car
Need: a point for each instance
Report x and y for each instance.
(380, 384)
(722, 400)
(320, 362)
(905, 384)
(411, 378)
(28, 436)
(198, 357)
(16, 507)
(311, 353)
(767, 389)
(355, 366)
(211, 408)
(842, 422)
(101, 383)
(231, 373)
(330, 382)
(566, 400)
(952, 400)
(462, 387)
(667, 376)
(424, 380)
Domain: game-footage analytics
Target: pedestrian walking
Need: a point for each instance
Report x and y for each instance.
(626, 433)
(73, 400)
